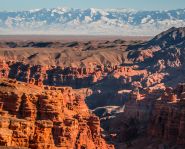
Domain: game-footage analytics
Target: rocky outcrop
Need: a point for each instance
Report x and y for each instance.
(46, 117)
(159, 120)
(168, 119)
(55, 75)
(71, 76)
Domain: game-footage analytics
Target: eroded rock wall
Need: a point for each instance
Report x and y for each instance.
(168, 118)
(46, 117)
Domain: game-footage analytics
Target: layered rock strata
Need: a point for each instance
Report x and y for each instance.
(46, 117)
(168, 119)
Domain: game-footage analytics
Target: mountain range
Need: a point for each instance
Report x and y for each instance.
(90, 21)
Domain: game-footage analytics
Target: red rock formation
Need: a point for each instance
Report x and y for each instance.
(49, 117)
(4, 69)
(168, 119)
(55, 75)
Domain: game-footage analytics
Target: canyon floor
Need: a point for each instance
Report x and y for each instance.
(88, 92)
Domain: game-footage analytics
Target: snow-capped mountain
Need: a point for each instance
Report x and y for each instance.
(90, 21)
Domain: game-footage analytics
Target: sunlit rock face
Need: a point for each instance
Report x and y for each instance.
(46, 117)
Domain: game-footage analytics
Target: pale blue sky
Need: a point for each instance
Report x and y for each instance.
(135, 4)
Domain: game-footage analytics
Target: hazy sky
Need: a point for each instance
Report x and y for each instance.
(135, 4)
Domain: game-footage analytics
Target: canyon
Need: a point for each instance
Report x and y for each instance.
(93, 94)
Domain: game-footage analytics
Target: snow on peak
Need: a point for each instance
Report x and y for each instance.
(93, 21)
(60, 10)
(34, 10)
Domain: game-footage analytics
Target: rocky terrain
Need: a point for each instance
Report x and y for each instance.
(167, 120)
(46, 117)
(152, 122)
(129, 85)
(124, 65)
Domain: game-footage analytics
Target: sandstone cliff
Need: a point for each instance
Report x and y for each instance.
(46, 117)
(168, 119)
